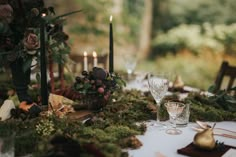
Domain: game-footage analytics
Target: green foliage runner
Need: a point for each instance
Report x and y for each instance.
(112, 129)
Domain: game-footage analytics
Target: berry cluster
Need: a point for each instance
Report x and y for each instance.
(97, 82)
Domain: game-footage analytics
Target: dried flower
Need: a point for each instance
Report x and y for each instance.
(31, 42)
(35, 11)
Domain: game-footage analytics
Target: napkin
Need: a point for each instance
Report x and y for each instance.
(193, 151)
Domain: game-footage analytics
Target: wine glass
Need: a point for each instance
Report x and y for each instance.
(174, 109)
(130, 64)
(158, 86)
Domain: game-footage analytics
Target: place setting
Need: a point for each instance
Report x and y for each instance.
(179, 123)
(205, 143)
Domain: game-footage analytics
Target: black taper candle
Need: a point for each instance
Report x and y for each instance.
(111, 55)
(43, 64)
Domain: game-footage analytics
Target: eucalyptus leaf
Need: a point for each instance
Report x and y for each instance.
(38, 77)
(67, 14)
(50, 19)
(232, 101)
(27, 64)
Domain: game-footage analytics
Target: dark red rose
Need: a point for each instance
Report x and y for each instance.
(6, 13)
(31, 41)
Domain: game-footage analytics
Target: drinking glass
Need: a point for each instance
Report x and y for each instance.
(130, 66)
(174, 109)
(158, 86)
(130, 63)
(183, 119)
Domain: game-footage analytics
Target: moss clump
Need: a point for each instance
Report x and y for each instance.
(213, 108)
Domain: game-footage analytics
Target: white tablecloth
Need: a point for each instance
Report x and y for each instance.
(156, 140)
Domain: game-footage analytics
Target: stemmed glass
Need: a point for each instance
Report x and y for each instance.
(158, 86)
(130, 64)
(174, 109)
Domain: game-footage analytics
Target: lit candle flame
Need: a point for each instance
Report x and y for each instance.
(94, 54)
(111, 18)
(85, 53)
(43, 14)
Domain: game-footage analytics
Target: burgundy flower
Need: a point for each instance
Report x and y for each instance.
(6, 13)
(31, 41)
(34, 11)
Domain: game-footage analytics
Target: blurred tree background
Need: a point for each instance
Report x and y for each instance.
(188, 38)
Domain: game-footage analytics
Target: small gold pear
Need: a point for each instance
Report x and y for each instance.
(205, 139)
(178, 83)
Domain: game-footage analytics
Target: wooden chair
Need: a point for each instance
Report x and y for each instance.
(226, 71)
(78, 60)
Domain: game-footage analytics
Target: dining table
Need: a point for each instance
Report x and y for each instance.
(157, 143)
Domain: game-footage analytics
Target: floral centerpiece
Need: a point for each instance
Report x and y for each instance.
(93, 89)
(27, 29)
(20, 22)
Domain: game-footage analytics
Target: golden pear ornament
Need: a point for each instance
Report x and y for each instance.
(178, 82)
(205, 139)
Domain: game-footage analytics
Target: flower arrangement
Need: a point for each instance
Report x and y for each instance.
(98, 81)
(20, 22)
(28, 31)
(93, 89)
(16, 37)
